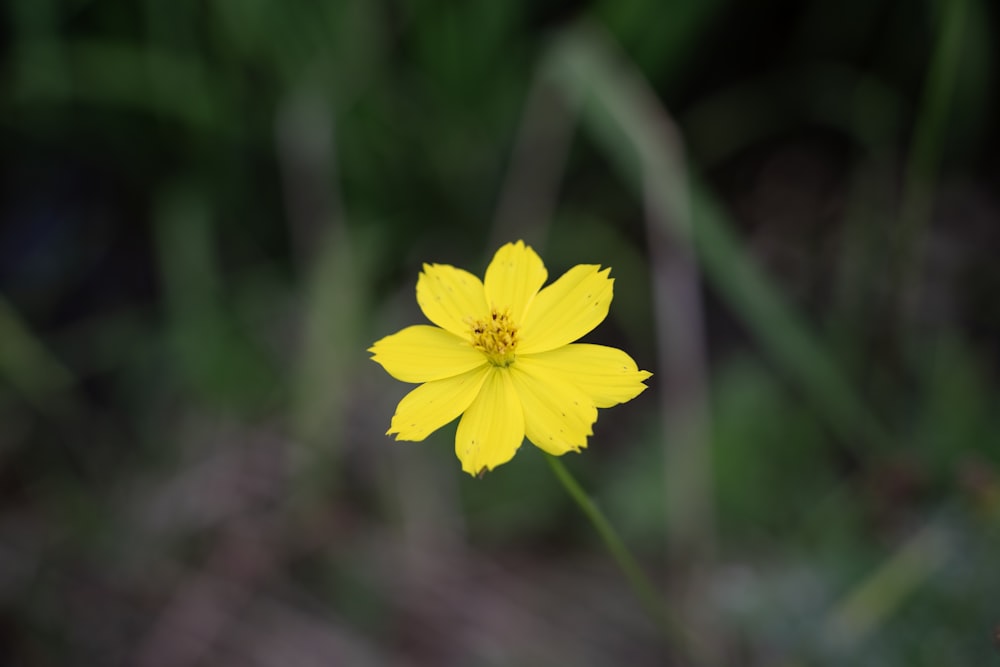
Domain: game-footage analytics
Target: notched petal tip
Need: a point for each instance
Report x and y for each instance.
(434, 404)
(492, 428)
(399, 436)
(568, 309)
(482, 471)
(607, 375)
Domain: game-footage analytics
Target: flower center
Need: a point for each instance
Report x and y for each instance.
(496, 337)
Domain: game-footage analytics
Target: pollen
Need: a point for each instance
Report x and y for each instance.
(496, 337)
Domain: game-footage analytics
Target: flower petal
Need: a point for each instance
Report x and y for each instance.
(492, 429)
(449, 297)
(423, 353)
(567, 309)
(557, 416)
(606, 374)
(513, 278)
(434, 404)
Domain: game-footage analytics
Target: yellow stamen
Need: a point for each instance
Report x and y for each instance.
(496, 337)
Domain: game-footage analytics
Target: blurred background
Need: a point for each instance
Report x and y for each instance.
(209, 210)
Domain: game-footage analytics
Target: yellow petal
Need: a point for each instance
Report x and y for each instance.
(567, 309)
(513, 278)
(451, 298)
(492, 429)
(557, 416)
(605, 374)
(432, 405)
(423, 353)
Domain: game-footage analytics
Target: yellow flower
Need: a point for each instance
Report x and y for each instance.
(502, 356)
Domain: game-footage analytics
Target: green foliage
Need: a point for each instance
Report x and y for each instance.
(209, 211)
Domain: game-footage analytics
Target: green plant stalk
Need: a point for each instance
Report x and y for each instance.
(675, 632)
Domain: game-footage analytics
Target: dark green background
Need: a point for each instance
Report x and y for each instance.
(208, 210)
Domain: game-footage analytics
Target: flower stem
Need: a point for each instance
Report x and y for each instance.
(672, 628)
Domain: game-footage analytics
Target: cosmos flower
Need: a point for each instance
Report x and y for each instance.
(502, 356)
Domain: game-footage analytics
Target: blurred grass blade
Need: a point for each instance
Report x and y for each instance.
(778, 329)
(616, 111)
(26, 363)
(928, 141)
(882, 593)
(119, 75)
(38, 53)
(336, 273)
(528, 198)
(214, 356)
(618, 108)
(330, 342)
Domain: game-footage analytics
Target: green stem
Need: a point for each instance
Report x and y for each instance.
(672, 628)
